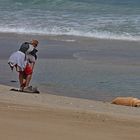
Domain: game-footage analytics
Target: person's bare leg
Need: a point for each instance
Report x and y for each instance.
(28, 79)
(21, 80)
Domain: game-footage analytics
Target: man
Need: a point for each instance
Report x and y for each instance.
(24, 60)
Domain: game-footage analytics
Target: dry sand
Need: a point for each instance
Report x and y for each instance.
(48, 117)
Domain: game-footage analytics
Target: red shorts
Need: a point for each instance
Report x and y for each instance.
(28, 70)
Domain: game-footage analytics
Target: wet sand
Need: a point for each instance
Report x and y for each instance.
(88, 68)
(44, 116)
(81, 67)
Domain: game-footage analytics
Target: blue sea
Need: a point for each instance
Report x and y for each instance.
(109, 19)
(88, 48)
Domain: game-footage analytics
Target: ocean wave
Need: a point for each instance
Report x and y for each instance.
(86, 18)
(57, 31)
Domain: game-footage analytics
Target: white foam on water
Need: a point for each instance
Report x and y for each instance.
(68, 31)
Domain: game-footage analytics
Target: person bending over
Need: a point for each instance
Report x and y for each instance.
(24, 60)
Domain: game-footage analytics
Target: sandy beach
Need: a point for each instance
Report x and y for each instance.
(43, 116)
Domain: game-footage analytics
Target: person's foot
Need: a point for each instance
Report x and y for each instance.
(28, 89)
(22, 87)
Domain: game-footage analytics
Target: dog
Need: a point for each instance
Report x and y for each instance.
(127, 101)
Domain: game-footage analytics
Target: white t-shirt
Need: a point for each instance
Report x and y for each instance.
(31, 47)
(29, 57)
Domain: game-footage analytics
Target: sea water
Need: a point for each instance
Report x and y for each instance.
(111, 19)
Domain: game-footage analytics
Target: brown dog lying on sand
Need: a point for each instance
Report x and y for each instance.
(127, 101)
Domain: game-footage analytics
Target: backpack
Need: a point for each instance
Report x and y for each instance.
(24, 47)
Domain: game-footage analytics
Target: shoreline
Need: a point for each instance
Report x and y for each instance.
(67, 38)
(57, 117)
